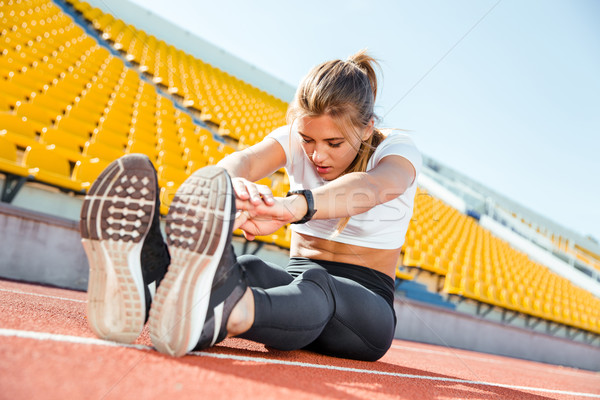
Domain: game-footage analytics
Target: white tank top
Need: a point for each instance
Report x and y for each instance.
(383, 226)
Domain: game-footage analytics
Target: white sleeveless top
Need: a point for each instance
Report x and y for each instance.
(383, 226)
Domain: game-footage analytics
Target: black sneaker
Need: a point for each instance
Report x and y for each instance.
(204, 282)
(120, 232)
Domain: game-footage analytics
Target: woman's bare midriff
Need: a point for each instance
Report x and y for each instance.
(382, 260)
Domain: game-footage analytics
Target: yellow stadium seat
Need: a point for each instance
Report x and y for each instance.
(27, 84)
(196, 164)
(413, 257)
(169, 174)
(87, 170)
(49, 167)
(76, 126)
(167, 193)
(138, 146)
(401, 274)
(169, 142)
(172, 159)
(64, 142)
(22, 131)
(102, 151)
(11, 94)
(9, 158)
(452, 283)
(110, 138)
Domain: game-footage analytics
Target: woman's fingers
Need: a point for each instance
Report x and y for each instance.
(240, 219)
(246, 190)
(239, 187)
(266, 194)
(254, 193)
(248, 236)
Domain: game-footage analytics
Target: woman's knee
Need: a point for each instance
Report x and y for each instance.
(319, 276)
(263, 274)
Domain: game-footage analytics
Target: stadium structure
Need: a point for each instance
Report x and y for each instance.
(80, 87)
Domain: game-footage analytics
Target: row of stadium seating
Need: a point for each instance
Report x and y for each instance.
(480, 266)
(239, 109)
(68, 107)
(581, 253)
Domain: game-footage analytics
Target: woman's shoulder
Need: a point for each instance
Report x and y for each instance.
(395, 139)
(396, 136)
(281, 132)
(397, 142)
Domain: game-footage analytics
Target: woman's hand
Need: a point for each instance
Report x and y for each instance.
(254, 193)
(248, 196)
(261, 219)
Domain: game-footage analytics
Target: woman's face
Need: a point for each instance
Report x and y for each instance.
(325, 145)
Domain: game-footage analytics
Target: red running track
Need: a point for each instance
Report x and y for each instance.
(47, 351)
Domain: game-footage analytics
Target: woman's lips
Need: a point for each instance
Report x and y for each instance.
(322, 170)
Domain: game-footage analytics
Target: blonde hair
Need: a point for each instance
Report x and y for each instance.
(345, 90)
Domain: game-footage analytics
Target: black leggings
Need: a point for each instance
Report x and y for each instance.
(309, 305)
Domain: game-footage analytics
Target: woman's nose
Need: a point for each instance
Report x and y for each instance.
(318, 155)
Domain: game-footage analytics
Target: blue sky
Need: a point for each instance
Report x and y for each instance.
(506, 92)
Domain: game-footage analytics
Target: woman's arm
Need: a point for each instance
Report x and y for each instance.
(251, 164)
(348, 195)
(358, 192)
(255, 162)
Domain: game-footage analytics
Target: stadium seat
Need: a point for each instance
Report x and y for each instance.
(102, 151)
(110, 138)
(76, 126)
(167, 193)
(171, 158)
(87, 170)
(170, 174)
(65, 143)
(9, 158)
(21, 131)
(47, 166)
(11, 94)
(138, 146)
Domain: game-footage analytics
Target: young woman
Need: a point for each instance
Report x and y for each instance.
(351, 199)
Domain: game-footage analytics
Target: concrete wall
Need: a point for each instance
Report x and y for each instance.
(40, 248)
(423, 323)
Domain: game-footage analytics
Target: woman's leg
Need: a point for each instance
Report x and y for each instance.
(258, 273)
(291, 316)
(263, 274)
(362, 326)
(327, 314)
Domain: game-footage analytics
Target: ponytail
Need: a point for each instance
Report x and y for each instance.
(367, 64)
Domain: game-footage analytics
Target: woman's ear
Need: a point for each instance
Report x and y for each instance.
(368, 130)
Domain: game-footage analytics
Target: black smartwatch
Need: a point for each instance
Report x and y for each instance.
(310, 202)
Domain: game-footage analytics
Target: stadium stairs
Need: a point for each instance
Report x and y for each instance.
(79, 88)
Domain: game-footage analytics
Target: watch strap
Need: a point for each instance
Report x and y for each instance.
(310, 203)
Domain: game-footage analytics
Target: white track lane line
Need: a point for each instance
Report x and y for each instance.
(97, 342)
(451, 353)
(42, 295)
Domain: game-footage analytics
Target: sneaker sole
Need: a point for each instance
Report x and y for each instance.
(115, 219)
(198, 225)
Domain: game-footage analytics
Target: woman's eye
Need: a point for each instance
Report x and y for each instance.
(304, 140)
(338, 144)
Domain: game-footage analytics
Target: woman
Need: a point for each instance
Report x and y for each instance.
(351, 199)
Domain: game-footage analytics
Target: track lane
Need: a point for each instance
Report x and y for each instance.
(243, 368)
